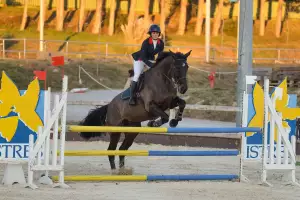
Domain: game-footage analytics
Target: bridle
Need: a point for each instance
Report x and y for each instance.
(172, 79)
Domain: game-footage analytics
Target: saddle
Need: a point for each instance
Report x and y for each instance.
(125, 95)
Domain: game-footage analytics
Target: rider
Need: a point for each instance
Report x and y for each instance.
(145, 57)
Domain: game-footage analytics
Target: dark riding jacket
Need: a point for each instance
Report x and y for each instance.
(148, 52)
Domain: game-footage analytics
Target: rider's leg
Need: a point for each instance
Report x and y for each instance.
(146, 66)
(138, 67)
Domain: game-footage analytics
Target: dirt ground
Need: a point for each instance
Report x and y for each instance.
(157, 190)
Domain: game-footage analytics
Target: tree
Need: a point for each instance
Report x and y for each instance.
(24, 19)
(112, 12)
(59, 15)
(198, 28)
(98, 18)
(81, 15)
(45, 8)
(131, 15)
(146, 13)
(218, 18)
(182, 18)
(162, 16)
(279, 18)
(262, 18)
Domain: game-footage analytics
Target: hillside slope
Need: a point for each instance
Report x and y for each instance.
(10, 20)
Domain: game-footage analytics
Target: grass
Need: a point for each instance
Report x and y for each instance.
(111, 74)
(114, 72)
(114, 75)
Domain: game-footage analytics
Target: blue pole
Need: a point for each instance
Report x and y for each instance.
(194, 153)
(213, 130)
(192, 177)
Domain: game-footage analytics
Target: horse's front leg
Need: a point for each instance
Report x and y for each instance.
(177, 101)
(155, 110)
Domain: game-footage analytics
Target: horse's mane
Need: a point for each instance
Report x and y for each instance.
(161, 56)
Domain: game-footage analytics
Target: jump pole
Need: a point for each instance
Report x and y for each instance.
(150, 153)
(151, 177)
(161, 130)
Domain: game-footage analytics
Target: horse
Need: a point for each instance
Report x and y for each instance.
(157, 92)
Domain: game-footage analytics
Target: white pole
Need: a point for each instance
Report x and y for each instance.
(62, 133)
(207, 31)
(30, 157)
(272, 130)
(42, 2)
(55, 135)
(47, 143)
(265, 153)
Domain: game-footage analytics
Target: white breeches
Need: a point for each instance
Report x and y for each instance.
(138, 67)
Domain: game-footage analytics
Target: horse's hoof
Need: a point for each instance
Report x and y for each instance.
(157, 124)
(125, 171)
(151, 123)
(173, 123)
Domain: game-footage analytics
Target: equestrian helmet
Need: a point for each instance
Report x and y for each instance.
(154, 28)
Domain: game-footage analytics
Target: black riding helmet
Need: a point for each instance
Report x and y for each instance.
(154, 28)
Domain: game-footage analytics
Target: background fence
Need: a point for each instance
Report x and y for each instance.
(29, 49)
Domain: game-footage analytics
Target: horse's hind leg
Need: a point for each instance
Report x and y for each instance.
(128, 141)
(114, 139)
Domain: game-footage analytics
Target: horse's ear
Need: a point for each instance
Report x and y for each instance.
(187, 54)
(172, 53)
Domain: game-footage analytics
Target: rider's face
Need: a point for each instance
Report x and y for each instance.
(154, 35)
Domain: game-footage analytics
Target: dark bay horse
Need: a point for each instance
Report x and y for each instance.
(157, 93)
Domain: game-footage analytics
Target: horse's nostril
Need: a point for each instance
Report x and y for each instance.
(183, 89)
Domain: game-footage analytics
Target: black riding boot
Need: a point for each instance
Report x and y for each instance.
(132, 100)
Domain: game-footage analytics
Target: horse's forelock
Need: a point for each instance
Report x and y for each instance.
(179, 55)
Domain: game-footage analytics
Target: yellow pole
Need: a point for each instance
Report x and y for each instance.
(116, 129)
(103, 178)
(107, 153)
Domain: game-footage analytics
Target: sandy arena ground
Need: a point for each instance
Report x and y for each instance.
(153, 190)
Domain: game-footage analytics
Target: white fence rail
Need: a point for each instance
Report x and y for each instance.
(29, 49)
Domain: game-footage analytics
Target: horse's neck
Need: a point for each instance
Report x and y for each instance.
(163, 67)
(161, 74)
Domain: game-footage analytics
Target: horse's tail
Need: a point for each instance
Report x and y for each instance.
(96, 117)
